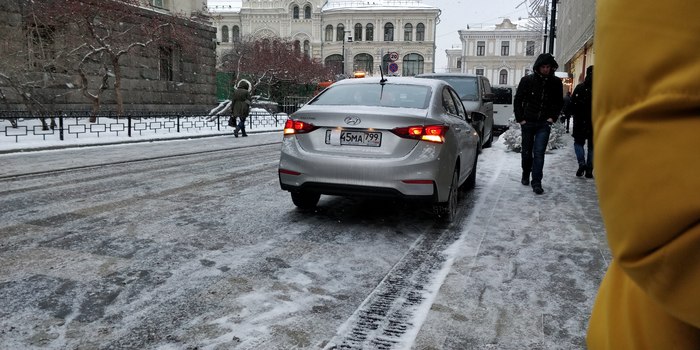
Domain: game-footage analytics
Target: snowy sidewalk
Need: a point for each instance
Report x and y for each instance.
(528, 266)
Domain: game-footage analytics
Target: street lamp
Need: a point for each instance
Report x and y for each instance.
(349, 40)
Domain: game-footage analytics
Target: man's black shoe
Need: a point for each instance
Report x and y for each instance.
(581, 170)
(537, 189)
(589, 173)
(526, 179)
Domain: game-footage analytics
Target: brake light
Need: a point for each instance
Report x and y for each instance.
(430, 133)
(292, 127)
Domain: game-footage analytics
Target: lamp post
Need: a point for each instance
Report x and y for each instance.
(349, 40)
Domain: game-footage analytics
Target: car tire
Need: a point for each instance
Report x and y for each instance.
(470, 183)
(490, 140)
(447, 211)
(305, 200)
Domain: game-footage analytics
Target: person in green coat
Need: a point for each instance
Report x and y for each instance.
(241, 107)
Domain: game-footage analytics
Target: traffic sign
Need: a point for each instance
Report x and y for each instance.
(393, 56)
(393, 67)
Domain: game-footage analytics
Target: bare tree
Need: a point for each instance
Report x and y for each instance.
(267, 61)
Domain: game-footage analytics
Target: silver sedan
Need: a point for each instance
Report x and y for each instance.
(395, 137)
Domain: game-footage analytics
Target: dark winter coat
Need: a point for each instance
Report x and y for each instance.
(539, 97)
(241, 103)
(580, 107)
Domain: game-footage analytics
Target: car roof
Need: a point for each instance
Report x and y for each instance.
(393, 80)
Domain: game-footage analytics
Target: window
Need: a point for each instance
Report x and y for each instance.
(166, 63)
(363, 62)
(307, 48)
(224, 34)
(307, 12)
(335, 63)
(447, 102)
(358, 32)
(388, 32)
(236, 34)
(503, 77)
(420, 32)
(295, 12)
(369, 32)
(297, 47)
(459, 63)
(412, 65)
(408, 32)
(340, 33)
(329, 32)
(480, 48)
(385, 63)
(462, 113)
(505, 48)
(157, 3)
(479, 71)
(530, 48)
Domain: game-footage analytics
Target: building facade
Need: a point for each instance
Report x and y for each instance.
(160, 77)
(349, 35)
(575, 29)
(503, 53)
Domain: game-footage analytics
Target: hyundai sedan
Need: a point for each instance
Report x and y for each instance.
(397, 137)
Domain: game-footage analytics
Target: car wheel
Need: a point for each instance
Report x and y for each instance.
(490, 140)
(470, 183)
(447, 211)
(305, 200)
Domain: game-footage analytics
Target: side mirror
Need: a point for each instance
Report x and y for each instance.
(488, 97)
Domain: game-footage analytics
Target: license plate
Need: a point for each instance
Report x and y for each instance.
(353, 138)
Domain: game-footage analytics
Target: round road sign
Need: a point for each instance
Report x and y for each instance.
(393, 67)
(393, 56)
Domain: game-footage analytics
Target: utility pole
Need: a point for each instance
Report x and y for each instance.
(553, 26)
(544, 14)
(349, 40)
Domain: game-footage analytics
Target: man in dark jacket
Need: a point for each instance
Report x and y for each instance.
(241, 106)
(581, 103)
(538, 102)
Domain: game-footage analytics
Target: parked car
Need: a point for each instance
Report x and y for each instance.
(397, 137)
(475, 92)
(502, 107)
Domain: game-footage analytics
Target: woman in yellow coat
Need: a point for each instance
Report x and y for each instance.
(646, 117)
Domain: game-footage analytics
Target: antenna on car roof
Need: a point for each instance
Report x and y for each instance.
(383, 80)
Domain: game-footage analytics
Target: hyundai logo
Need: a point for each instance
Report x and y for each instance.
(352, 120)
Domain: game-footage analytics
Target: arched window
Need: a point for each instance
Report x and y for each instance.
(335, 63)
(385, 64)
(329, 32)
(503, 77)
(340, 33)
(459, 64)
(224, 34)
(358, 32)
(412, 65)
(389, 32)
(363, 62)
(297, 47)
(307, 12)
(236, 34)
(420, 32)
(295, 12)
(408, 32)
(307, 48)
(369, 32)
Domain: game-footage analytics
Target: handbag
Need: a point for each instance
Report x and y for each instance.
(231, 121)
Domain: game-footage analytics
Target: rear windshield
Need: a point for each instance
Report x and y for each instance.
(466, 87)
(502, 95)
(388, 95)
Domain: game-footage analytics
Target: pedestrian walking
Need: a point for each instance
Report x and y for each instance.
(646, 116)
(538, 102)
(581, 104)
(566, 111)
(241, 107)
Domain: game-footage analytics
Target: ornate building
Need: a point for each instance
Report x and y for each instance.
(503, 53)
(350, 35)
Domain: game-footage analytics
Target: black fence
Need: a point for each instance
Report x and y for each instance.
(21, 126)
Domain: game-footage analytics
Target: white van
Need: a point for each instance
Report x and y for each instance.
(503, 106)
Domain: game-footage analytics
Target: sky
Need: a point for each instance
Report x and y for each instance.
(457, 14)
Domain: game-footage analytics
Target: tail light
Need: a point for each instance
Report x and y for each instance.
(430, 133)
(292, 127)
